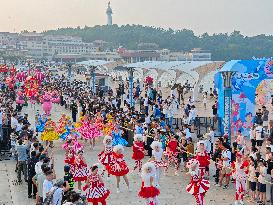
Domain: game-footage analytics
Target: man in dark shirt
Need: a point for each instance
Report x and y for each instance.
(32, 189)
(258, 118)
(74, 109)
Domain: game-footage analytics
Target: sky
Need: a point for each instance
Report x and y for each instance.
(251, 17)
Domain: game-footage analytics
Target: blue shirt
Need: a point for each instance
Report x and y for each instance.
(22, 152)
(139, 130)
(163, 124)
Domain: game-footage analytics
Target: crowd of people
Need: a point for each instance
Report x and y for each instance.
(157, 146)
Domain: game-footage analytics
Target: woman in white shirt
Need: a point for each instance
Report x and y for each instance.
(252, 178)
(259, 136)
(262, 181)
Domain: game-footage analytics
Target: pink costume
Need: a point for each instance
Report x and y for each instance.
(20, 98)
(47, 104)
(88, 131)
(55, 97)
(198, 186)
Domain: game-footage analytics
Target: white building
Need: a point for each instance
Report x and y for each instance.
(32, 43)
(53, 45)
(197, 54)
(194, 55)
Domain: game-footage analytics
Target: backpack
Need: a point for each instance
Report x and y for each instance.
(262, 133)
(49, 198)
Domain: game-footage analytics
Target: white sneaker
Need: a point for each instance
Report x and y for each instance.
(176, 174)
(118, 190)
(217, 185)
(241, 202)
(130, 190)
(236, 203)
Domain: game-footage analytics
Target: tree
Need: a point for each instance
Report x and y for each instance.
(223, 46)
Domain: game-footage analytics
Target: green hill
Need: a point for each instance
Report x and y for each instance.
(223, 46)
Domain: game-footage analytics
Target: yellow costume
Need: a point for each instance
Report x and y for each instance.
(49, 134)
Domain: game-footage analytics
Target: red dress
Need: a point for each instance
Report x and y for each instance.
(81, 170)
(203, 159)
(118, 167)
(138, 151)
(106, 156)
(148, 191)
(95, 191)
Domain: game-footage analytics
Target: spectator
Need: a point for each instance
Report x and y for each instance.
(32, 190)
(259, 135)
(58, 189)
(38, 180)
(265, 114)
(48, 184)
(21, 151)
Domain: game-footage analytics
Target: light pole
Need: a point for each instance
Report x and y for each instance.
(131, 85)
(93, 79)
(227, 76)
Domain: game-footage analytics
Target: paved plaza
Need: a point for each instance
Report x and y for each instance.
(172, 187)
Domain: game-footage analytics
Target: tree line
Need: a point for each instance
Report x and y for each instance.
(223, 46)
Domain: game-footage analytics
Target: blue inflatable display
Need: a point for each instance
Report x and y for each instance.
(248, 76)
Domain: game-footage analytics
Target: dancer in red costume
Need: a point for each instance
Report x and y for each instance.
(118, 167)
(148, 190)
(239, 173)
(81, 170)
(138, 151)
(106, 156)
(198, 186)
(203, 158)
(95, 191)
(171, 153)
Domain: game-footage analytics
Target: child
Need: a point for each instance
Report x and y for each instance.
(118, 167)
(106, 156)
(148, 191)
(138, 151)
(171, 153)
(158, 160)
(239, 173)
(81, 171)
(198, 186)
(203, 158)
(95, 191)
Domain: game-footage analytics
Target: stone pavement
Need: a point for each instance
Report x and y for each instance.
(172, 187)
